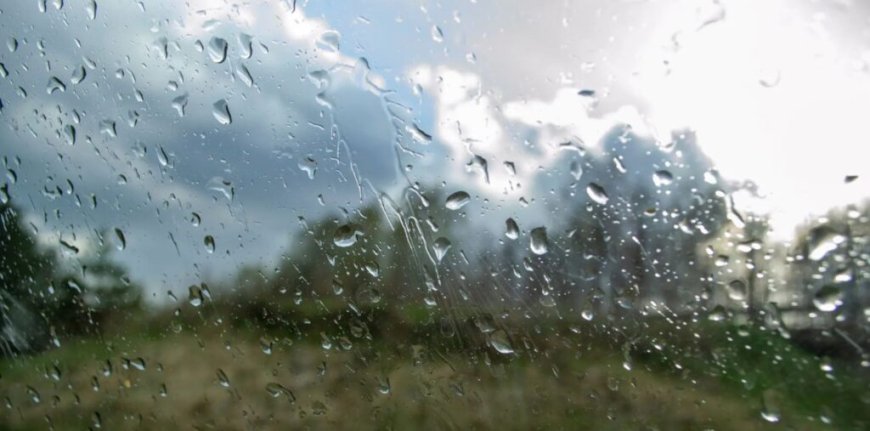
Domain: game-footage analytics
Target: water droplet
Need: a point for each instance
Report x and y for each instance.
(822, 243)
(54, 372)
(69, 133)
(337, 287)
(195, 295)
(345, 236)
(457, 200)
(34, 395)
(828, 298)
(325, 341)
(221, 112)
(373, 269)
(318, 408)
(266, 345)
(717, 314)
(244, 75)
(538, 240)
(418, 134)
(120, 240)
(843, 276)
(137, 363)
(500, 342)
(437, 34)
(12, 44)
(223, 380)
(597, 193)
(733, 215)
(162, 157)
(709, 13)
(736, 290)
(225, 187)
(384, 386)
(91, 9)
(277, 390)
(208, 241)
(711, 177)
(441, 247)
(479, 165)
(369, 295)
(245, 42)
(547, 300)
(769, 406)
(309, 166)
(96, 420)
(107, 127)
(329, 41)
(576, 170)
(55, 85)
(345, 343)
(217, 50)
(769, 78)
(511, 229)
(179, 104)
(68, 248)
(662, 178)
(195, 219)
(161, 45)
(619, 165)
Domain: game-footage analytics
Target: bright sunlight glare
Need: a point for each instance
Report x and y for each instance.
(773, 97)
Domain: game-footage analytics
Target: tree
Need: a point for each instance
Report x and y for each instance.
(39, 301)
(25, 273)
(754, 234)
(107, 291)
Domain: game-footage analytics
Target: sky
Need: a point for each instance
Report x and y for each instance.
(332, 104)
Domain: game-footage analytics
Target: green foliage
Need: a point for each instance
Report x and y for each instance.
(42, 300)
(25, 274)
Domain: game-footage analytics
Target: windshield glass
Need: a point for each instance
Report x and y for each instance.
(477, 214)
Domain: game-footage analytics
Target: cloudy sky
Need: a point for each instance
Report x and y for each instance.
(331, 103)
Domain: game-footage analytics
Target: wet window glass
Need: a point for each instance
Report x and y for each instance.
(315, 214)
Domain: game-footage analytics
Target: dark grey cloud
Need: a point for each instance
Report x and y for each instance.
(149, 176)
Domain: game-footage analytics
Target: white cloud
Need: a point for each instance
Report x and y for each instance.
(469, 123)
(774, 98)
(466, 120)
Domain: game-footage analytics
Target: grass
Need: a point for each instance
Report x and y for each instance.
(403, 371)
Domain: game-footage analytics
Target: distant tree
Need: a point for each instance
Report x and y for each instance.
(107, 291)
(832, 253)
(25, 278)
(754, 238)
(40, 301)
